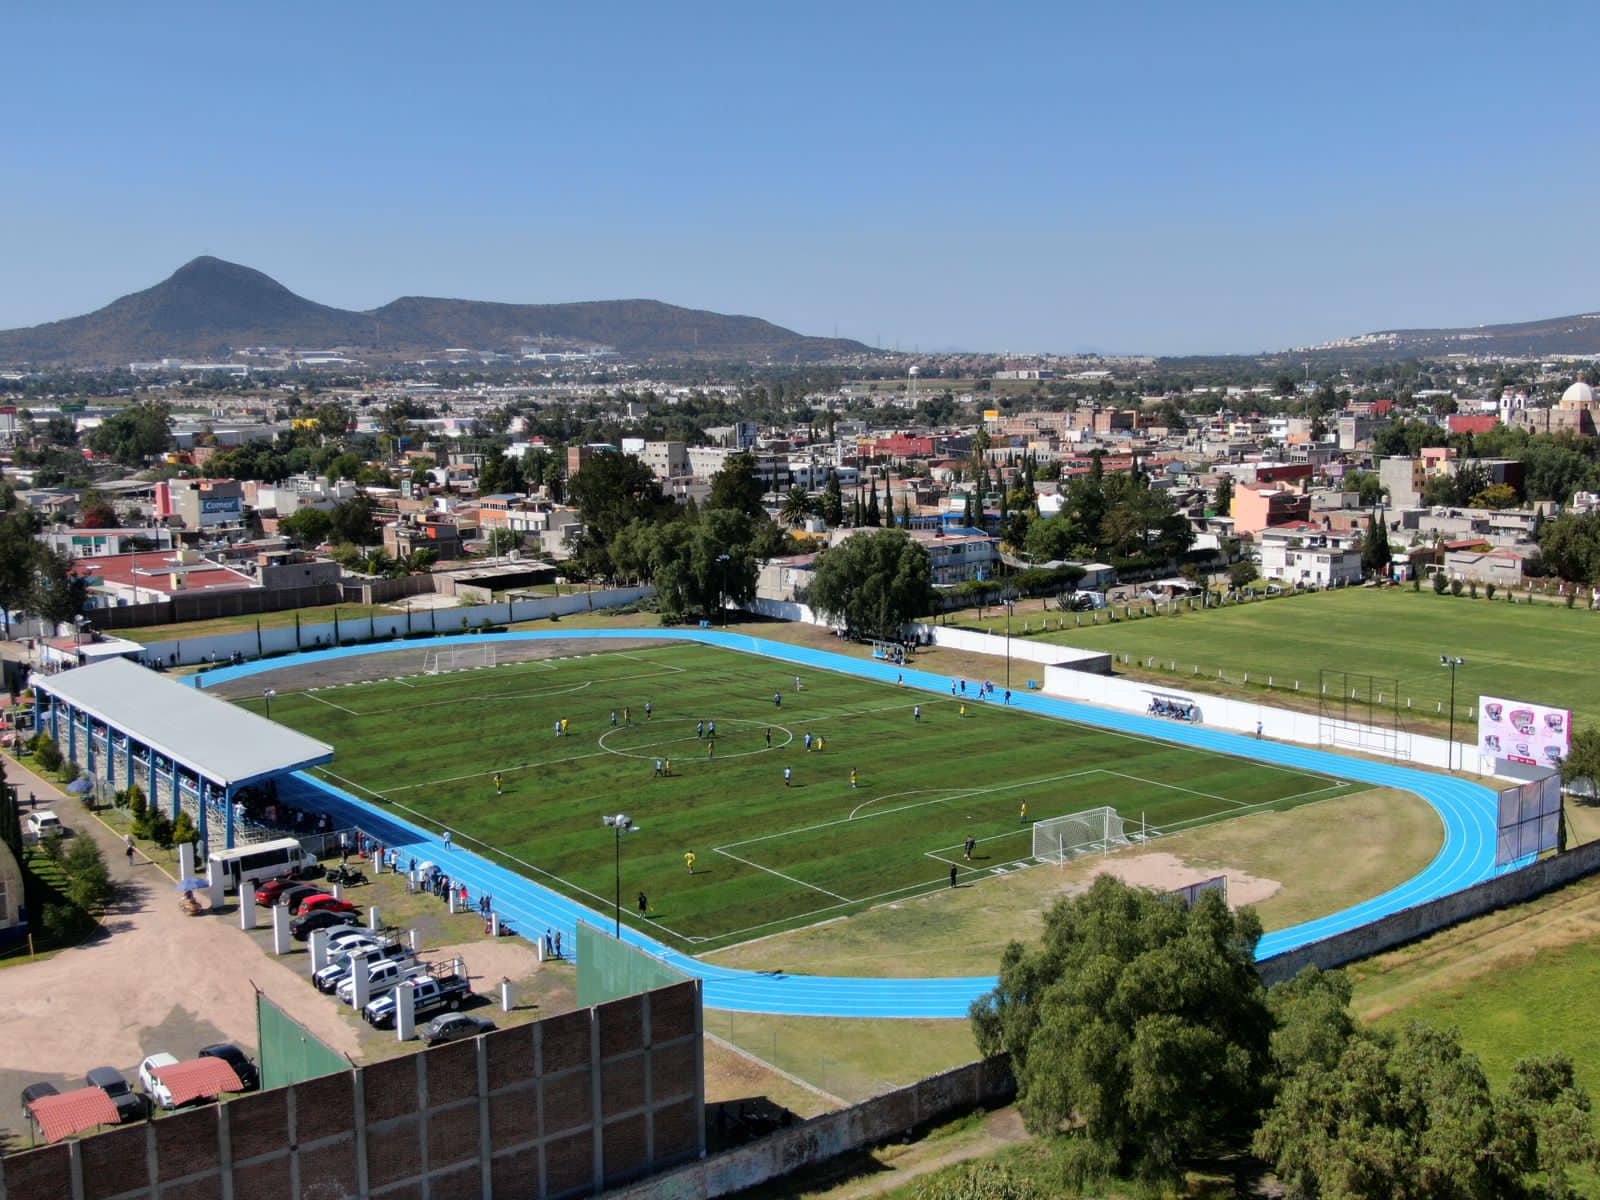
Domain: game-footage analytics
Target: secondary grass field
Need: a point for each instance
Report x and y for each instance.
(768, 856)
(1522, 651)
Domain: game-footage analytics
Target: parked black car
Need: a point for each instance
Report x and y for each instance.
(38, 1091)
(130, 1104)
(302, 927)
(238, 1060)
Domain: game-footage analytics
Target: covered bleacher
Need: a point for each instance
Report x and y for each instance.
(123, 723)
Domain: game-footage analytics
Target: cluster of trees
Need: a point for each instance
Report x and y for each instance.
(134, 434)
(1141, 1034)
(33, 577)
(1118, 516)
(697, 557)
(350, 522)
(874, 583)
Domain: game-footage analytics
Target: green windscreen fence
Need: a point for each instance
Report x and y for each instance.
(609, 969)
(289, 1051)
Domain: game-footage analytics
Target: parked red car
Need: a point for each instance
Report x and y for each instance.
(267, 894)
(324, 902)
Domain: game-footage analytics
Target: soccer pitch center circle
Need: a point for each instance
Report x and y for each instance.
(652, 750)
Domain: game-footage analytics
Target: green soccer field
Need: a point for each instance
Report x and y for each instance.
(1524, 651)
(767, 856)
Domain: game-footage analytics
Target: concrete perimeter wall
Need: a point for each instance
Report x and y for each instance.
(1412, 923)
(180, 650)
(1281, 724)
(975, 1085)
(563, 1107)
(1022, 649)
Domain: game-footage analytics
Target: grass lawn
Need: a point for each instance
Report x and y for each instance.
(1522, 651)
(768, 856)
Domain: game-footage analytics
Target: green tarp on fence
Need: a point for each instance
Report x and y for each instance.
(289, 1052)
(609, 969)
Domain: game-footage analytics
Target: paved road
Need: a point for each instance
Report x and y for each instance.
(1467, 811)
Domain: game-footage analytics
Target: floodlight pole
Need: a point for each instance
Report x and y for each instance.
(722, 596)
(620, 824)
(1446, 660)
(1010, 603)
(267, 696)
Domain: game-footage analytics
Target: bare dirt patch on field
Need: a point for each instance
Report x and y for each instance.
(407, 659)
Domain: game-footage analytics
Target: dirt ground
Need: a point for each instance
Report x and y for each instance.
(405, 659)
(1167, 872)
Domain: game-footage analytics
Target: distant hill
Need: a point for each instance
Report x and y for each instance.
(1578, 334)
(209, 308)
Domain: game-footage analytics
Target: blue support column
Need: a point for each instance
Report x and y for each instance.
(88, 744)
(228, 825)
(72, 734)
(151, 764)
(201, 795)
(111, 759)
(128, 744)
(55, 720)
(177, 800)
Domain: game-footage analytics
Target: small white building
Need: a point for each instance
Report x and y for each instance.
(1310, 556)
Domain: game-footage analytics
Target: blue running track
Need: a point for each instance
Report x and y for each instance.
(1466, 809)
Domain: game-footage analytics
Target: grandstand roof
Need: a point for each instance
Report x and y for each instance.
(217, 740)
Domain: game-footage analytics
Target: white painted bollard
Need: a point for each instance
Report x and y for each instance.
(405, 1012)
(450, 899)
(186, 861)
(280, 930)
(411, 937)
(247, 908)
(360, 981)
(338, 891)
(319, 948)
(217, 882)
(505, 995)
(494, 924)
(411, 881)
(538, 949)
(372, 917)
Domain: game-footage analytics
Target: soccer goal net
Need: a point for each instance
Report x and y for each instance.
(458, 658)
(1095, 831)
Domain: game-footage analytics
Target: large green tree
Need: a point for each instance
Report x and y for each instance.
(134, 434)
(1375, 553)
(58, 594)
(611, 491)
(736, 485)
(19, 553)
(874, 583)
(1138, 1025)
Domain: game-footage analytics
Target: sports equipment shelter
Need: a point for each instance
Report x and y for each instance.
(126, 724)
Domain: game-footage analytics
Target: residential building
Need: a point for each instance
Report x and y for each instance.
(1256, 508)
(430, 531)
(1501, 566)
(1301, 553)
(666, 460)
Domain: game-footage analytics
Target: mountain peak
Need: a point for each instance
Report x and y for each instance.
(211, 307)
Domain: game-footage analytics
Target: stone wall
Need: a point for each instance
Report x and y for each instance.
(1412, 923)
(564, 1107)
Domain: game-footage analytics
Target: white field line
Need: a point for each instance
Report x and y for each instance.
(331, 704)
(797, 882)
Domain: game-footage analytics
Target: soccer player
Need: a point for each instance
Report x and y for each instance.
(900, 681)
(699, 729)
(808, 740)
(648, 709)
(853, 777)
(797, 683)
(819, 743)
(497, 783)
(711, 747)
(669, 766)
(688, 861)
(916, 713)
(627, 716)
(613, 718)
(952, 875)
(563, 727)
(711, 729)
(769, 737)
(972, 844)
(787, 774)
(658, 768)
(558, 728)
(777, 699)
(644, 904)
(963, 710)
(1022, 814)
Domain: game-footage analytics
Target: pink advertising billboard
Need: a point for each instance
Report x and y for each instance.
(1523, 733)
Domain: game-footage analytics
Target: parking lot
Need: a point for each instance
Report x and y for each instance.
(157, 979)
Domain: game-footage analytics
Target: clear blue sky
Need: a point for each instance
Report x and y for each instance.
(1054, 176)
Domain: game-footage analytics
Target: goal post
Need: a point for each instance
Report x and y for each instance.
(1094, 831)
(458, 658)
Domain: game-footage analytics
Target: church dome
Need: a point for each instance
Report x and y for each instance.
(1579, 395)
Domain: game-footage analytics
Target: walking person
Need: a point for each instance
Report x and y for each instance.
(688, 860)
(613, 718)
(447, 839)
(1022, 814)
(648, 709)
(787, 775)
(952, 875)
(808, 740)
(853, 778)
(1258, 731)
(549, 946)
(711, 748)
(769, 737)
(972, 844)
(558, 943)
(644, 905)
(129, 848)
(497, 790)
(699, 729)
(916, 713)
(777, 699)
(658, 768)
